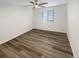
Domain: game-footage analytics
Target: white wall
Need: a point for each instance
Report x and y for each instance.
(73, 25)
(14, 21)
(59, 25)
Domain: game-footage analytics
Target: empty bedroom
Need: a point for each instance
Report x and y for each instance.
(39, 28)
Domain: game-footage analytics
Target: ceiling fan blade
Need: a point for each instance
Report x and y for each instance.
(43, 4)
(28, 5)
(32, 2)
(36, 0)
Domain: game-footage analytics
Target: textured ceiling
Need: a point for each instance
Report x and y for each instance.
(26, 2)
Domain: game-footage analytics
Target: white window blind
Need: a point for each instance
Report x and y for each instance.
(48, 15)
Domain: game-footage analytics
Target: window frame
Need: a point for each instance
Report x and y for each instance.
(46, 16)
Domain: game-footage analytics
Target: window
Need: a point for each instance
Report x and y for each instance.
(48, 15)
(44, 15)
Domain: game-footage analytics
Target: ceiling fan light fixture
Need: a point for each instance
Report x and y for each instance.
(36, 6)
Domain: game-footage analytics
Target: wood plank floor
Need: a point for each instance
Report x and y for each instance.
(37, 44)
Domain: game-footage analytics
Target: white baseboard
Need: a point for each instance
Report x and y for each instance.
(14, 37)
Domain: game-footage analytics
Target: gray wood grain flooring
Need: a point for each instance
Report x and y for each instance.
(37, 44)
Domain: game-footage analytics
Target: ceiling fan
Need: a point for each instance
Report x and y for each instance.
(35, 4)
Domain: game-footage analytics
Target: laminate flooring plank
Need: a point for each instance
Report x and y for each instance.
(37, 44)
